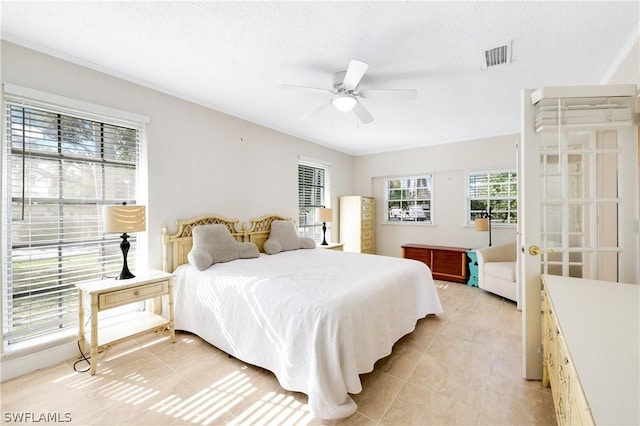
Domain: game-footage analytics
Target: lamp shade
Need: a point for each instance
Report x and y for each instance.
(325, 215)
(482, 224)
(122, 219)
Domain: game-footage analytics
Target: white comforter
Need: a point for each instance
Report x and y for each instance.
(315, 318)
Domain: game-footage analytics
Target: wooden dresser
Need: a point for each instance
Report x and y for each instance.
(446, 263)
(357, 227)
(591, 350)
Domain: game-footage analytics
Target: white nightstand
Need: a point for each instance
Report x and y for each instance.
(331, 246)
(110, 293)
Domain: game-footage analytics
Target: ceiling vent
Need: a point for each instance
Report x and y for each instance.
(497, 56)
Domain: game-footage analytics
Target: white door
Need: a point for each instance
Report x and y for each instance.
(578, 187)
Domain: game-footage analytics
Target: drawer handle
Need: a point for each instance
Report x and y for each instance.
(136, 293)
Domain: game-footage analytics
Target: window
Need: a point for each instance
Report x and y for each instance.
(497, 190)
(60, 168)
(312, 193)
(409, 199)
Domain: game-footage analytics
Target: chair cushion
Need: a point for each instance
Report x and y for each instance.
(503, 270)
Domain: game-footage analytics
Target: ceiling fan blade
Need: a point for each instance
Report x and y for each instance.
(362, 113)
(354, 74)
(389, 93)
(292, 86)
(317, 110)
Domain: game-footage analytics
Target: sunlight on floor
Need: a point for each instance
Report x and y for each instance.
(275, 408)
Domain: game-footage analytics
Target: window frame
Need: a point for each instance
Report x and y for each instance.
(19, 97)
(312, 228)
(498, 215)
(407, 217)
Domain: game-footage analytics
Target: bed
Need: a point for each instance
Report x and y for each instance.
(316, 318)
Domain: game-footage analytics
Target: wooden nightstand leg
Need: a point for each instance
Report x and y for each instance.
(171, 325)
(94, 333)
(81, 331)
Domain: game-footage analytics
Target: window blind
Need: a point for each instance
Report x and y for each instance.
(59, 171)
(311, 197)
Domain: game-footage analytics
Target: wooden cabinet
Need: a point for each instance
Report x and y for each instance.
(446, 263)
(357, 227)
(591, 347)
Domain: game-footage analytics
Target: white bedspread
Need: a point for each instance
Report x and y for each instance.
(315, 318)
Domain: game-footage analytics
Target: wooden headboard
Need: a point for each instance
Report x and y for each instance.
(176, 247)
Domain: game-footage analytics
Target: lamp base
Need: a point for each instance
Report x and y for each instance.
(125, 274)
(324, 234)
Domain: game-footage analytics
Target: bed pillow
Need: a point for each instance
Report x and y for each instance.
(200, 258)
(284, 237)
(248, 250)
(272, 246)
(307, 243)
(215, 244)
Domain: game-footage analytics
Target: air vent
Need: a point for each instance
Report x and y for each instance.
(497, 56)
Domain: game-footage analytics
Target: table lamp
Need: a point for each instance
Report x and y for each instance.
(324, 215)
(483, 223)
(123, 219)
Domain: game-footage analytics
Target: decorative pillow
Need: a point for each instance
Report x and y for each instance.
(215, 244)
(307, 243)
(284, 237)
(248, 250)
(200, 258)
(272, 246)
(285, 232)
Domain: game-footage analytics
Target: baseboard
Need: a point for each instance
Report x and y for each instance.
(15, 367)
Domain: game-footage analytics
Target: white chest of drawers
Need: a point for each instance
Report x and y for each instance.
(591, 345)
(357, 227)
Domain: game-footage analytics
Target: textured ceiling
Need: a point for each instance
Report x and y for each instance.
(234, 57)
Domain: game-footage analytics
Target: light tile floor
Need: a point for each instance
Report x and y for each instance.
(460, 367)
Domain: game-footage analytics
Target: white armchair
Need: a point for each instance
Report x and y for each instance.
(497, 270)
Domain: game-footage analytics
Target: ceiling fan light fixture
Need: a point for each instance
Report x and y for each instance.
(344, 102)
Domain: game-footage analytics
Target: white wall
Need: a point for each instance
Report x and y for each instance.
(449, 164)
(200, 160)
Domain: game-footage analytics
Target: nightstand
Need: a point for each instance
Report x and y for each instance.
(332, 246)
(101, 295)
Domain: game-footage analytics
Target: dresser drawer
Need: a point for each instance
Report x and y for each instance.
(367, 223)
(367, 234)
(368, 202)
(131, 295)
(579, 411)
(367, 245)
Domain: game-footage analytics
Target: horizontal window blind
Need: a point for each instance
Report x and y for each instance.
(60, 169)
(311, 197)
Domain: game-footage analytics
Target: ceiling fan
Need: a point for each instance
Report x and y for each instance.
(346, 91)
